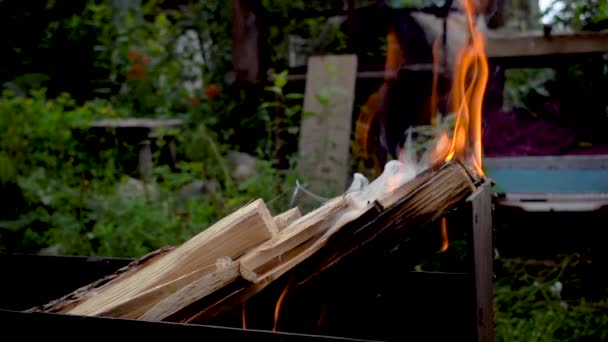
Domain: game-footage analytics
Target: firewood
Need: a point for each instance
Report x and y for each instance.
(306, 236)
(230, 237)
(415, 203)
(418, 206)
(284, 219)
(138, 305)
(299, 232)
(184, 284)
(225, 272)
(74, 298)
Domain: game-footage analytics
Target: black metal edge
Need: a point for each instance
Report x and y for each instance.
(70, 327)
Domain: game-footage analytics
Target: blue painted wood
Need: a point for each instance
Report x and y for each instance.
(518, 180)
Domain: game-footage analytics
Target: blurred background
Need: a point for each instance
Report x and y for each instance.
(131, 125)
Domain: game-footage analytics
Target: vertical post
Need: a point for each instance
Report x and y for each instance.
(145, 160)
(483, 259)
(246, 41)
(350, 14)
(172, 149)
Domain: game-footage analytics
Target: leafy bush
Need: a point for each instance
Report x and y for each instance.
(65, 200)
(579, 14)
(536, 306)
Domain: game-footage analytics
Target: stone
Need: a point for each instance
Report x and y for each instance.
(243, 165)
(135, 188)
(197, 188)
(55, 249)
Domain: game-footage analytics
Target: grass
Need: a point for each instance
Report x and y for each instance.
(546, 301)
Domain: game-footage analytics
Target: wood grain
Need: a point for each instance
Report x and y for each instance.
(299, 232)
(372, 229)
(223, 274)
(324, 145)
(483, 258)
(284, 219)
(74, 298)
(230, 237)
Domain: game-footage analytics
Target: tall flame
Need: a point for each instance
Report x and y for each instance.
(322, 316)
(244, 317)
(277, 308)
(444, 235)
(469, 86)
(469, 83)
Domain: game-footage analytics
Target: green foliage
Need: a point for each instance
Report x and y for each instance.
(39, 133)
(302, 36)
(137, 46)
(579, 14)
(525, 84)
(159, 62)
(281, 115)
(534, 306)
(75, 202)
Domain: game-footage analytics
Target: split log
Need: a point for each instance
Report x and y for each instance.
(378, 223)
(187, 285)
(230, 237)
(72, 299)
(274, 252)
(226, 271)
(422, 202)
(306, 236)
(140, 304)
(284, 219)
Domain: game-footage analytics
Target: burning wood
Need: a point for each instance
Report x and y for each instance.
(247, 245)
(162, 276)
(227, 264)
(355, 228)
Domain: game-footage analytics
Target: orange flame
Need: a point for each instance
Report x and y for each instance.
(444, 235)
(468, 88)
(277, 308)
(469, 85)
(441, 148)
(322, 316)
(244, 316)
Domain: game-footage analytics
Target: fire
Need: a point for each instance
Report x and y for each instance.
(466, 104)
(469, 85)
(277, 308)
(244, 317)
(322, 316)
(444, 235)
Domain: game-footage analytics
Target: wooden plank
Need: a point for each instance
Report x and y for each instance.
(536, 44)
(557, 197)
(138, 123)
(559, 206)
(573, 162)
(483, 260)
(324, 145)
(230, 237)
